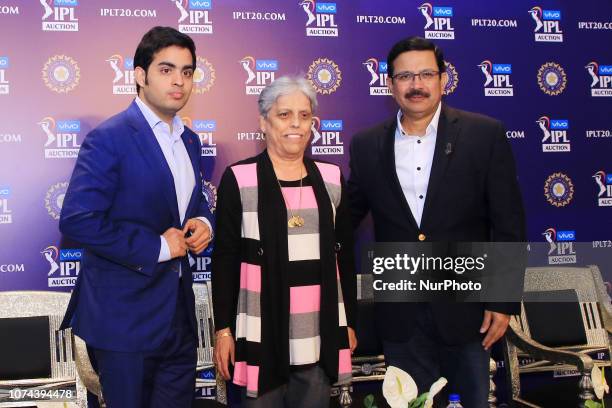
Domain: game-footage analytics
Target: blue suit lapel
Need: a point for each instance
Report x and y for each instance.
(146, 141)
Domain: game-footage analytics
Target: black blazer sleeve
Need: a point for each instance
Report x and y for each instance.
(346, 257)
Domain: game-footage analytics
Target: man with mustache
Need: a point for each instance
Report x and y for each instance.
(135, 204)
(433, 173)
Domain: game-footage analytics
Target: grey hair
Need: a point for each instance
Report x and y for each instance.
(284, 86)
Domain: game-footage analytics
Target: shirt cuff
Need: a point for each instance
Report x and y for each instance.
(205, 221)
(164, 251)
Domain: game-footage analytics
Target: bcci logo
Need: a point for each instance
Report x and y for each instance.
(320, 16)
(210, 194)
(54, 199)
(260, 71)
(205, 130)
(547, 27)
(203, 76)
(63, 272)
(604, 186)
(62, 138)
(552, 79)
(601, 75)
(62, 13)
(61, 74)
(558, 189)
(326, 136)
(453, 78)
(561, 246)
(194, 16)
(554, 134)
(378, 76)
(200, 265)
(440, 19)
(123, 82)
(6, 214)
(324, 76)
(497, 79)
(4, 84)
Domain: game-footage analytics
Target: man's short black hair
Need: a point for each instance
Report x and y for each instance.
(157, 39)
(414, 44)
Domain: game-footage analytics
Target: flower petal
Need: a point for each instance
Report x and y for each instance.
(398, 387)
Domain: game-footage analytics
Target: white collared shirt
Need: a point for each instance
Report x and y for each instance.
(178, 160)
(413, 161)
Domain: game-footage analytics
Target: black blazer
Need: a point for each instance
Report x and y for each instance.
(472, 195)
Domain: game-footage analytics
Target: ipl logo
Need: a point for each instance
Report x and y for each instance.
(63, 12)
(323, 15)
(4, 84)
(601, 79)
(554, 134)
(194, 16)
(378, 76)
(123, 82)
(440, 19)
(205, 130)
(69, 266)
(6, 214)
(62, 138)
(547, 27)
(561, 246)
(497, 79)
(604, 186)
(326, 136)
(201, 265)
(260, 71)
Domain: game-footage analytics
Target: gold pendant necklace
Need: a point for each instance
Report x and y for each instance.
(296, 220)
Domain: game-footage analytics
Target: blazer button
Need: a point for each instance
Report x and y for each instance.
(422, 237)
(260, 251)
(337, 247)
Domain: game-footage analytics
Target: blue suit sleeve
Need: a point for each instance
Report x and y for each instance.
(84, 216)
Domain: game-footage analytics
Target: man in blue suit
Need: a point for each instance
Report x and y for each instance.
(135, 204)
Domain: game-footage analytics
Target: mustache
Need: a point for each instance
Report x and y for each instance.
(416, 92)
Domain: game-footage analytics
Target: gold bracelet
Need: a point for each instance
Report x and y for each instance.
(224, 334)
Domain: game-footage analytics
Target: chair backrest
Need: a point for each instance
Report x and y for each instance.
(20, 305)
(204, 317)
(581, 281)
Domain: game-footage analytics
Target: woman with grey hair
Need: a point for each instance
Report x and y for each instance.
(283, 280)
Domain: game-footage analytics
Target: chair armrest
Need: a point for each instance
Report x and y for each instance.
(88, 375)
(583, 362)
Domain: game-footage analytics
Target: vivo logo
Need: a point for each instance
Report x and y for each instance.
(443, 11)
(603, 69)
(551, 14)
(204, 125)
(70, 3)
(608, 178)
(128, 63)
(5, 192)
(266, 65)
(331, 125)
(207, 375)
(382, 67)
(559, 124)
(4, 62)
(566, 235)
(502, 68)
(200, 4)
(326, 8)
(71, 254)
(68, 125)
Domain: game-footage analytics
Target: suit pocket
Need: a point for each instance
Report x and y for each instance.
(113, 277)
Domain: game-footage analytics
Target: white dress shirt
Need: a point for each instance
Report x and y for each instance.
(413, 160)
(178, 160)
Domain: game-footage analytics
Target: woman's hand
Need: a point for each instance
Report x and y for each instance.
(224, 352)
(352, 338)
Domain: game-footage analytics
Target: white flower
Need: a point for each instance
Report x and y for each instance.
(433, 390)
(398, 388)
(599, 382)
